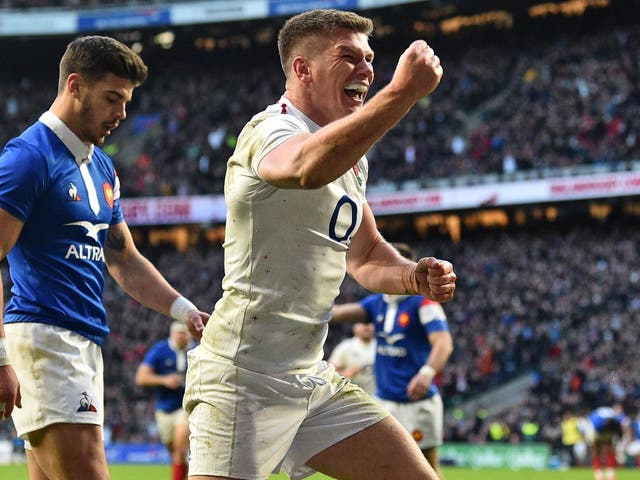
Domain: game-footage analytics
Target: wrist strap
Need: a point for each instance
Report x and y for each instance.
(180, 309)
(409, 283)
(4, 356)
(428, 371)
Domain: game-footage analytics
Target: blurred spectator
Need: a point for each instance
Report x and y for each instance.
(498, 432)
(573, 446)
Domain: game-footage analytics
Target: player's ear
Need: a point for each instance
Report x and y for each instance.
(73, 84)
(301, 68)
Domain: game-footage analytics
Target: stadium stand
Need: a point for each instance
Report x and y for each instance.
(557, 301)
(563, 104)
(469, 129)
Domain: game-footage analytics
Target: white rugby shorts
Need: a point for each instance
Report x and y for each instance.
(60, 375)
(423, 419)
(633, 448)
(247, 425)
(167, 422)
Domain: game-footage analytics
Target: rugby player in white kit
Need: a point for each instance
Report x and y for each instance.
(260, 397)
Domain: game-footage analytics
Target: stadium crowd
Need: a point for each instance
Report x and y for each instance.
(74, 4)
(506, 107)
(562, 301)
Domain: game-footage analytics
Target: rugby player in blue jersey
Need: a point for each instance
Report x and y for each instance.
(603, 430)
(413, 345)
(60, 225)
(164, 367)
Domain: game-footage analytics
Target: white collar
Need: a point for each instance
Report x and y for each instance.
(174, 347)
(79, 150)
(394, 298)
(313, 126)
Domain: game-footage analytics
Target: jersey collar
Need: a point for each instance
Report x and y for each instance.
(313, 126)
(79, 150)
(394, 298)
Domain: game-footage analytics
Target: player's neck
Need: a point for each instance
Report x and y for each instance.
(63, 109)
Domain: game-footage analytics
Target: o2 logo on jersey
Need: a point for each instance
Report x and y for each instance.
(345, 203)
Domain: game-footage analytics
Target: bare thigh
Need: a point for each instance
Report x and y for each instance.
(67, 451)
(433, 457)
(384, 451)
(180, 445)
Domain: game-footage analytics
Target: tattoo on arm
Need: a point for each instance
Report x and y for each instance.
(115, 240)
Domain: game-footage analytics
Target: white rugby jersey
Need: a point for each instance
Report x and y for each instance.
(285, 253)
(353, 351)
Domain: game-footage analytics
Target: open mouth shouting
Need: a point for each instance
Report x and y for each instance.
(357, 91)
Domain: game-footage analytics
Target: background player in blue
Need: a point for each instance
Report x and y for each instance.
(164, 367)
(602, 432)
(413, 344)
(60, 224)
(632, 446)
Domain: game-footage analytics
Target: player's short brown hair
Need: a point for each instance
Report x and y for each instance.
(322, 21)
(94, 56)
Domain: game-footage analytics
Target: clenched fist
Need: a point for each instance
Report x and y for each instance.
(418, 72)
(431, 278)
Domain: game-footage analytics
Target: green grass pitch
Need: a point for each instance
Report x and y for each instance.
(162, 472)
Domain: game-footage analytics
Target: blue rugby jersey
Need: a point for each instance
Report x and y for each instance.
(163, 360)
(57, 265)
(599, 417)
(402, 340)
(635, 429)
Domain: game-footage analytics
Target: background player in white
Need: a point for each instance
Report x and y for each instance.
(164, 367)
(632, 440)
(60, 224)
(353, 357)
(413, 345)
(259, 395)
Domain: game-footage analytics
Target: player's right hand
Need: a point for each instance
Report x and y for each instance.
(173, 381)
(436, 279)
(9, 392)
(196, 321)
(418, 72)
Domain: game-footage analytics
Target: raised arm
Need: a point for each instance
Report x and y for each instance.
(315, 160)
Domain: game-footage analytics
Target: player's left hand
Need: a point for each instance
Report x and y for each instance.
(9, 391)
(436, 279)
(418, 387)
(196, 321)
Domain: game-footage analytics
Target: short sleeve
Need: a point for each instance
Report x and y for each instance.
(23, 178)
(272, 132)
